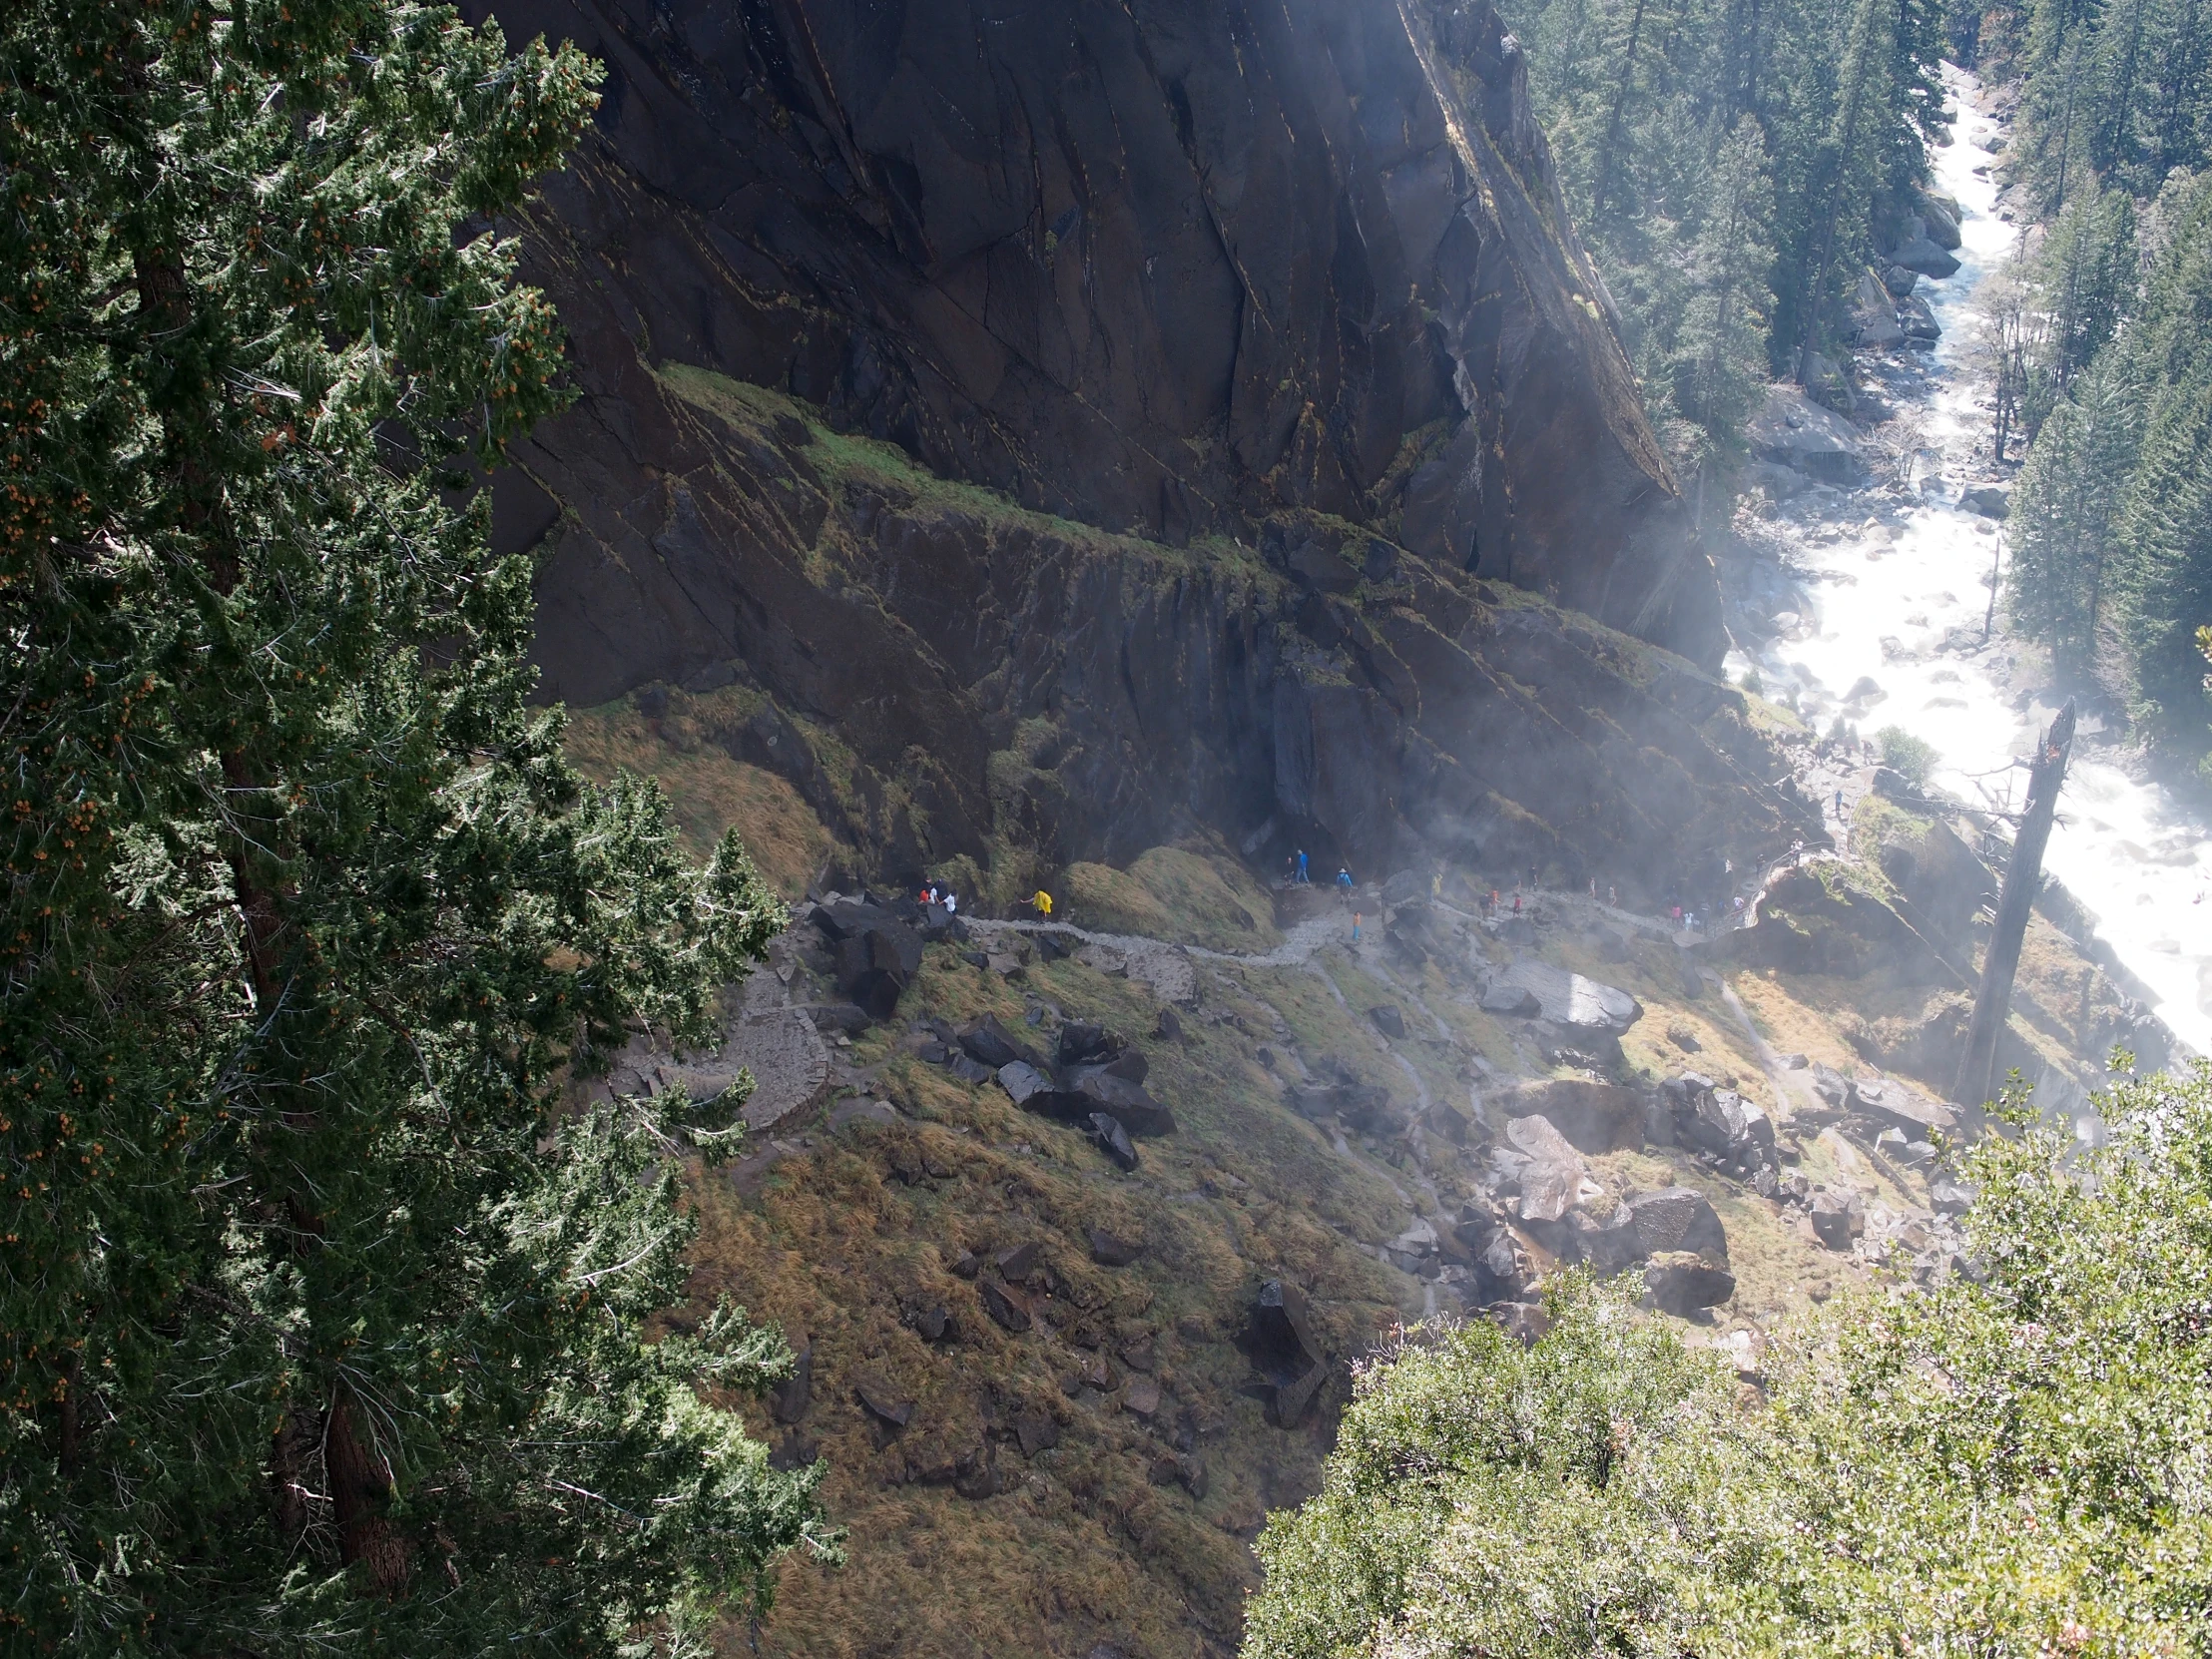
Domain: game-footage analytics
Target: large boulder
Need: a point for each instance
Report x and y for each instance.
(1609, 1243)
(1404, 888)
(1281, 1331)
(1947, 1196)
(1735, 1130)
(1506, 997)
(1837, 1216)
(1792, 430)
(1098, 1089)
(1580, 1013)
(1544, 1163)
(1874, 314)
(1073, 1097)
(989, 1043)
(1678, 1219)
(1682, 1283)
(1081, 1042)
(1921, 253)
(1113, 1140)
(1023, 1083)
(1989, 500)
(875, 953)
(1889, 1104)
(1832, 1086)
(1827, 382)
(1593, 1117)
(1940, 220)
(1355, 1103)
(1918, 322)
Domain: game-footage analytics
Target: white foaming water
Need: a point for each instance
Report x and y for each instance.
(1883, 609)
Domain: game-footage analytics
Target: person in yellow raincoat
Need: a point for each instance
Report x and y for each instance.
(1043, 904)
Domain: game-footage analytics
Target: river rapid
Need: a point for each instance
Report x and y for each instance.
(1892, 586)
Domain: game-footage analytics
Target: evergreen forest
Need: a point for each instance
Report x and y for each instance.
(1731, 162)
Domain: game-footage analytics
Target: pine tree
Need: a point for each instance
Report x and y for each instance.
(2116, 91)
(2084, 280)
(1856, 149)
(1703, 240)
(320, 1315)
(1719, 367)
(2182, 106)
(2056, 109)
(2166, 523)
(2065, 515)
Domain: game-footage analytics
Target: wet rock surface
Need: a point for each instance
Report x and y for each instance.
(1791, 430)
(1317, 241)
(1318, 350)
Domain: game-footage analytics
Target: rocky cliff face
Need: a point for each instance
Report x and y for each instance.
(1282, 298)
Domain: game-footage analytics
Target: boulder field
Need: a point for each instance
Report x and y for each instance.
(1083, 1254)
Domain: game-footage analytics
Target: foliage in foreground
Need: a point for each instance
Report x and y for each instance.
(2017, 1466)
(319, 1326)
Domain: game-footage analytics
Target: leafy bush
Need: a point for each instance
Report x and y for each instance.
(1911, 758)
(2012, 1466)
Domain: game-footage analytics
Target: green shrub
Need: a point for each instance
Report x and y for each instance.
(2015, 1466)
(1911, 758)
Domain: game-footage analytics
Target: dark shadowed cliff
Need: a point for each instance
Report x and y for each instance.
(1235, 357)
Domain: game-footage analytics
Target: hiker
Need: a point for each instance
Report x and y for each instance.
(1517, 904)
(1343, 884)
(1839, 802)
(1613, 896)
(1593, 889)
(1304, 880)
(1356, 928)
(1675, 916)
(1042, 903)
(1531, 877)
(952, 903)
(1290, 869)
(1493, 901)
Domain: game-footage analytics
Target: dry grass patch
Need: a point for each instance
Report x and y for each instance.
(707, 792)
(1187, 895)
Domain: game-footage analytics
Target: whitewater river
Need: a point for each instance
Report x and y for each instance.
(1897, 593)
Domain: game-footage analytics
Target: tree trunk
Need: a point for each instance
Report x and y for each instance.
(1613, 122)
(1977, 1071)
(360, 1484)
